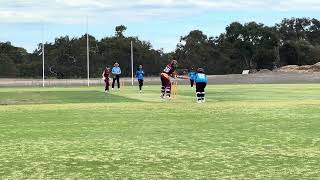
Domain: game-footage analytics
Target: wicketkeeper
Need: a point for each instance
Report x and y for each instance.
(201, 83)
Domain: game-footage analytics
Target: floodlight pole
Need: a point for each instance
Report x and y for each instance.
(132, 76)
(88, 64)
(43, 55)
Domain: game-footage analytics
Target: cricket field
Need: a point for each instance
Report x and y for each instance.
(241, 132)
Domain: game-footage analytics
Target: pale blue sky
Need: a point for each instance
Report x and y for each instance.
(161, 22)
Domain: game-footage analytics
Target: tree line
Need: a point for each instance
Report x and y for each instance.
(252, 45)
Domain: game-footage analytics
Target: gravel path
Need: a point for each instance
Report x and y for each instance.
(264, 78)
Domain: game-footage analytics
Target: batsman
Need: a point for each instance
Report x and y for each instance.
(168, 72)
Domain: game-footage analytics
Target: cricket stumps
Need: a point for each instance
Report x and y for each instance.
(174, 89)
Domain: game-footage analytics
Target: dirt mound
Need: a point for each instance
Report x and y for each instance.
(300, 69)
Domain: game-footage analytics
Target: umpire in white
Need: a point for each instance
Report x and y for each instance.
(116, 71)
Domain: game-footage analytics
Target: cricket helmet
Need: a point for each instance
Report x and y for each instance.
(174, 62)
(200, 70)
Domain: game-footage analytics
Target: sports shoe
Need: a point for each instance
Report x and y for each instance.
(140, 91)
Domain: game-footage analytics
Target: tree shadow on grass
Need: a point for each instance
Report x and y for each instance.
(61, 97)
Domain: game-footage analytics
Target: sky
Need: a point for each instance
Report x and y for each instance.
(162, 22)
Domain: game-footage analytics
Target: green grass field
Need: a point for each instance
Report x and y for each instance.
(242, 132)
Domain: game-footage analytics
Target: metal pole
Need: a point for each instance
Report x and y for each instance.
(88, 64)
(43, 55)
(132, 77)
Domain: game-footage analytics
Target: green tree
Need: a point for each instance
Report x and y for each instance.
(299, 38)
(255, 43)
(120, 30)
(7, 66)
(194, 50)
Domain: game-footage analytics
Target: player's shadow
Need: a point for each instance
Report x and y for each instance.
(61, 97)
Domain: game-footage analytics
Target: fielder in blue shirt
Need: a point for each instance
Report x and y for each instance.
(140, 76)
(201, 83)
(192, 76)
(116, 71)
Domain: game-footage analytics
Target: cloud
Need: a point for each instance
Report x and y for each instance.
(298, 4)
(75, 11)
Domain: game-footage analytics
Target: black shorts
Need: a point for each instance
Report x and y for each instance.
(191, 82)
(140, 82)
(200, 86)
